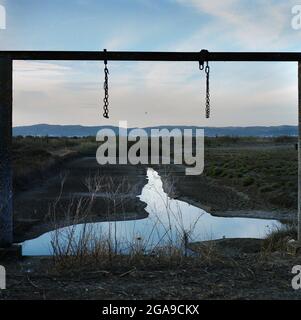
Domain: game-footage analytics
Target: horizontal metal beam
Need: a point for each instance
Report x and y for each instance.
(151, 56)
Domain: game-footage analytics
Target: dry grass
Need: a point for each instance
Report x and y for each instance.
(87, 247)
(209, 253)
(278, 238)
(75, 243)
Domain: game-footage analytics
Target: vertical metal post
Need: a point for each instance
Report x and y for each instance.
(299, 151)
(6, 212)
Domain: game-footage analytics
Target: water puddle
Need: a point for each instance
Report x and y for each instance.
(168, 220)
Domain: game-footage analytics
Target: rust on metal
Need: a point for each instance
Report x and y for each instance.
(152, 56)
(299, 151)
(6, 216)
(6, 62)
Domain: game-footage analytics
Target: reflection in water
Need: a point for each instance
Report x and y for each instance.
(168, 220)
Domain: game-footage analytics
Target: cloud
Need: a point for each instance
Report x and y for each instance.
(38, 75)
(152, 93)
(149, 93)
(247, 25)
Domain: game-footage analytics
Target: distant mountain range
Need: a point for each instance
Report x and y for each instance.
(83, 131)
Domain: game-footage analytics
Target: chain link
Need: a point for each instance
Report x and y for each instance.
(106, 97)
(207, 72)
(201, 67)
(106, 90)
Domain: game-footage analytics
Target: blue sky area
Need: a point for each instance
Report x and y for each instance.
(152, 93)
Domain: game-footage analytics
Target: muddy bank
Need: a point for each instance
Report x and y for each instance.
(248, 276)
(283, 216)
(82, 191)
(216, 198)
(228, 247)
(38, 166)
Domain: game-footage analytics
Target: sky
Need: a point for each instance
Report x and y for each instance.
(152, 93)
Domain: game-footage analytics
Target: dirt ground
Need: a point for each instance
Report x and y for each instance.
(255, 180)
(221, 190)
(61, 195)
(245, 276)
(240, 274)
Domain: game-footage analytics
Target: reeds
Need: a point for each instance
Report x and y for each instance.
(76, 247)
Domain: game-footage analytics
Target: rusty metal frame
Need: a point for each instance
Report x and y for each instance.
(6, 103)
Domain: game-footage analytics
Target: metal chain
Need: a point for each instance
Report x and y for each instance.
(106, 90)
(201, 67)
(207, 71)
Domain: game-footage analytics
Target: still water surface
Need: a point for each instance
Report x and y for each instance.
(168, 220)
